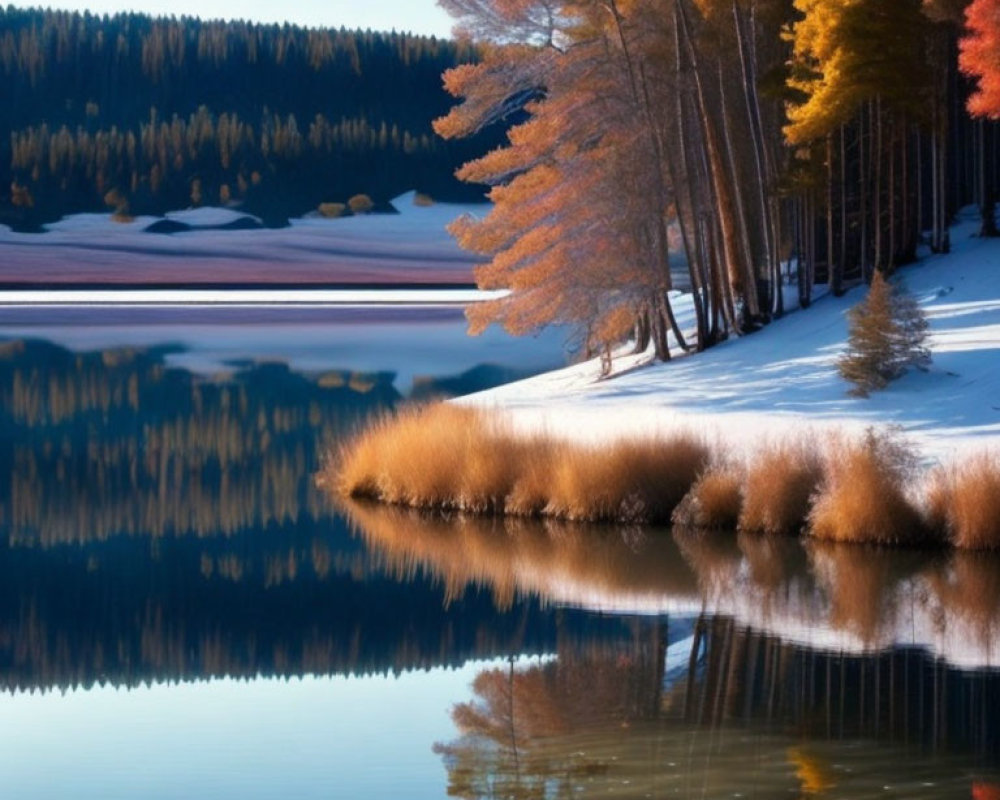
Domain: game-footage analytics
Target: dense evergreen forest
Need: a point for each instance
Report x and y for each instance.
(143, 115)
(737, 137)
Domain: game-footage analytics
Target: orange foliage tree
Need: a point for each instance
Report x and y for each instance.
(580, 228)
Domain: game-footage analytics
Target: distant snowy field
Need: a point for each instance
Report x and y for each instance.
(782, 381)
(412, 246)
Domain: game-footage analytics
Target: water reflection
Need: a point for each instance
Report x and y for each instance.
(158, 526)
(778, 663)
(820, 594)
(746, 715)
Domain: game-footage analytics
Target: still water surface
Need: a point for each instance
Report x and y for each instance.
(183, 613)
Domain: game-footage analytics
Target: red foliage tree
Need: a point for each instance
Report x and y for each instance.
(979, 56)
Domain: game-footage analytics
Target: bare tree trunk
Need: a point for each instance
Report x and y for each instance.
(686, 215)
(807, 251)
(891, 182)
(877, 198)
(944, 245)
(740, 205)
(864, 122)
(762, 179)
(986, 202)
(834, 268)
(843, 204)
(642, 332)
(920, 185)
(640, 94)
(734, 258)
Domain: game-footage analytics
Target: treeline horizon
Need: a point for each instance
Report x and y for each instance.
(743, 138)
(139, 114)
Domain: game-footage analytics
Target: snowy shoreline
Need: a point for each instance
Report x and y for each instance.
(409, 247)
(781, 382)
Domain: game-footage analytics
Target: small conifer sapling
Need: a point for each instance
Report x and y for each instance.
(887, 334)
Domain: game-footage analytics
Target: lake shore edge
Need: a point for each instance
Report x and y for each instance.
(867, 489)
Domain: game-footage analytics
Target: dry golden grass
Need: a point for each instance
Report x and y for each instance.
(714, 500)
(420, 457)
(453, 457)
(862, 495)
(447, 456)
(780, 483)
(629, 481)
(964, 503)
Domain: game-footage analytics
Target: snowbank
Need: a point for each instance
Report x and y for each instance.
(209, 217)
(103, 224)
(412, 246)
(782, 380)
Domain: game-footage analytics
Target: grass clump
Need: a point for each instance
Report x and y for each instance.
(778, 489)
(332, 210)
(360, 204)
(963, 503)
(448, 456)
(862, 496)
(714, 500)
(633, 480)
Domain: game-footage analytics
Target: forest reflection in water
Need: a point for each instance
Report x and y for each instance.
(760, 667)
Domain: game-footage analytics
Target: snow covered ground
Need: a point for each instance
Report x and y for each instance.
(782, 380)
(409, 247)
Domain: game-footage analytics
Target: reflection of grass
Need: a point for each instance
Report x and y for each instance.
(968, 588)
(860, 585)
(864, 584)
(452, 457)
(772, 562)
(517, 556)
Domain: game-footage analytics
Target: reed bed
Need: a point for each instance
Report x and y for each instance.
(457, 458)
(778, 489)
(963, 503)
(452, 457)
(714, 501)
(862, 497)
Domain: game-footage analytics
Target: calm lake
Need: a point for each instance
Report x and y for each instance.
(184, 614)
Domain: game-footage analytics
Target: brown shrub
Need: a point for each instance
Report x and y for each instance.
(332, 210)
(360, 204)
(413, 457)
(964, 503)
(422, 200)
(450, 456)
(714, 500)
(632, 480)
(862, 498)
(780, 482)
(529, 495)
